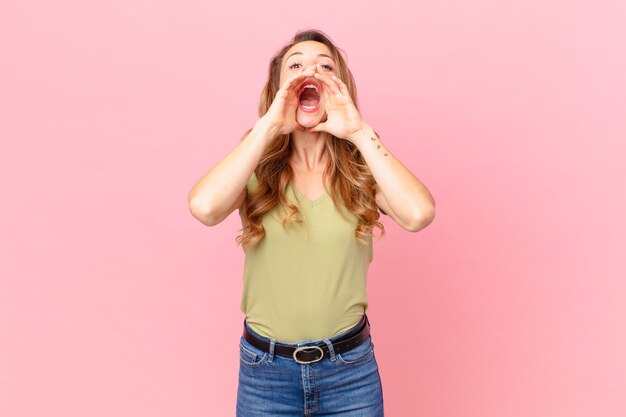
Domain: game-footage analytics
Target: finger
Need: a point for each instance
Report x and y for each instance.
(342, 86)
(331, 77)
(282, 91)
(329, 83)
(290, 82)
(321, 127)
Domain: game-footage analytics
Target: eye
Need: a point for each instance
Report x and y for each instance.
(327, 66)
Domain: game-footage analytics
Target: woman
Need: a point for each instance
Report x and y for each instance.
(308, 180)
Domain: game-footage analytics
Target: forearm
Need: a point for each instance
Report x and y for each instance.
(406, 195)
(218, 189)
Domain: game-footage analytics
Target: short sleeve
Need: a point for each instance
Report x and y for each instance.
(252, 183)
(381, 210)
(250, 186)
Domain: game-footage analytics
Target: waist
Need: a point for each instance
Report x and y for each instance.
(305, 328)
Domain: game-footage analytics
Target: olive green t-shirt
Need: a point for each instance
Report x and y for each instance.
(306, 282)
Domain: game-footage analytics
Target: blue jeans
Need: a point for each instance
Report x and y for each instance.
(343, 385)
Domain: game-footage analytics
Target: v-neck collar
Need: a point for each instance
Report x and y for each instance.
(307, 199)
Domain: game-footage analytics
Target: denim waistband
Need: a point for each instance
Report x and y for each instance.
(308, 341)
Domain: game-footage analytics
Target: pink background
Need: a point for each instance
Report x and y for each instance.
(115, 301)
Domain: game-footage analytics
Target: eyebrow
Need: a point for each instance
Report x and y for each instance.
(317, 55)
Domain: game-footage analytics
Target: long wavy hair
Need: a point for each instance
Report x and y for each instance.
(352, 183)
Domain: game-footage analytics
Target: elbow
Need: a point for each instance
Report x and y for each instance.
(201, 212)
(422, 220)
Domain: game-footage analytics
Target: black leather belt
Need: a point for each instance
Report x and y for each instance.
(314, 353)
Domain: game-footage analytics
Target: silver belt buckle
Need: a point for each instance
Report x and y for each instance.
(301, 348)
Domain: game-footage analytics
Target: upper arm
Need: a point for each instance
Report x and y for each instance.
(237, 204)
(251, 184)
(383, 205)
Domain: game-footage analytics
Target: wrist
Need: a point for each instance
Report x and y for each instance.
(365, 133)
(266, 128)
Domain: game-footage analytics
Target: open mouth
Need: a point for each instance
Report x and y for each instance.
(309, 96)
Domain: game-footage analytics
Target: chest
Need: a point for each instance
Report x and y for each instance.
(322, 223)
(311, 186)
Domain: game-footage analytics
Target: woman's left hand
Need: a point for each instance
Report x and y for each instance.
(343, 119)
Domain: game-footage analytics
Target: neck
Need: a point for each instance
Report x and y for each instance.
(308, 150)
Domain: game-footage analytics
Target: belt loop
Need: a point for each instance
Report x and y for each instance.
(331, 349)
(272, 345)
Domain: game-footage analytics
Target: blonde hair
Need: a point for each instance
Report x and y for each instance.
(353, 185)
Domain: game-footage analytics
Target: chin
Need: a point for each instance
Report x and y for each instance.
(307, 120)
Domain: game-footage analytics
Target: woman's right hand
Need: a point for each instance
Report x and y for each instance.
(282, 113)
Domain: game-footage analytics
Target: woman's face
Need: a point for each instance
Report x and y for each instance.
(306, 55)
